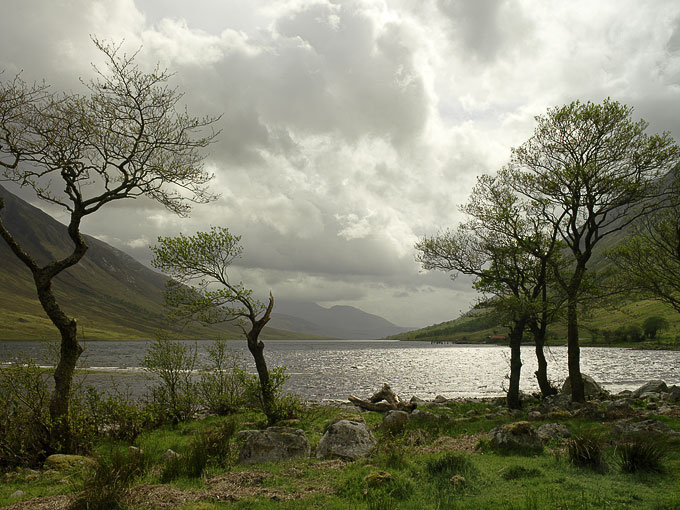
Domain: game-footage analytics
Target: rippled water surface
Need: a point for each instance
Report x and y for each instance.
(335, 369)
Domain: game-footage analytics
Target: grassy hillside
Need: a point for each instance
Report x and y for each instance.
(111, 295)
(480, 324)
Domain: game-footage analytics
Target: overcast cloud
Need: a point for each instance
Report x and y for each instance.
(352, 128)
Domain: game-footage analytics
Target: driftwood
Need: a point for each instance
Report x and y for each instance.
(384, 400)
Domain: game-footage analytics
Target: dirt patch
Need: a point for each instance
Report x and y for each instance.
(465, 443)
(62, 502)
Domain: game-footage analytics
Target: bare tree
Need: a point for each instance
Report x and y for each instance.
(128, 137)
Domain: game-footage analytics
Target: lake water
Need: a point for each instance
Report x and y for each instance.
(332, 370)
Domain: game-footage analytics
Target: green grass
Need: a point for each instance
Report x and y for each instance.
(418, 469)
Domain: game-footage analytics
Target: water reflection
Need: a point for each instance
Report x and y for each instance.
(335, 369)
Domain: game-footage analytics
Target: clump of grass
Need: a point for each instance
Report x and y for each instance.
(641, 455)
(391, 453)
(209, 445)
(587, 451)
(449, 464)
(105, 483)
(517, 472)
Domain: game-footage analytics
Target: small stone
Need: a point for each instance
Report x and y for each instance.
(458, 481)
(534, 415)
(652, 406)
(377, 478)
(17, 495)
(170, 455)
(439, 399)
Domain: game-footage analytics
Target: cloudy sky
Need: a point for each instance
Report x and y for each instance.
(352, 128)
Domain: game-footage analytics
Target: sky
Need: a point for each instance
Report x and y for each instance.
(350, 129)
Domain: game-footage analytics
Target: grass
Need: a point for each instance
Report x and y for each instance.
(431, 465)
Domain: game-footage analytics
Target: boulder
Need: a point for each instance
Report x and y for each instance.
(656, 386)
(272, 445)
(17, 495)
(395, 421)
(519, 436)
(439, 399)
(673, 394)
(534, 415)
(644, 427)
(423, 416)
(553, 431)
(590, 387)
(62, 462)
(377, 478)
(346, 439)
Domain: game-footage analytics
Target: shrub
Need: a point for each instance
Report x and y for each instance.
(222, 385)
(586, 451)
(641, 455)
(174, 398)
(285, 406)
(117, 414)
(24, 414)
(104, 485)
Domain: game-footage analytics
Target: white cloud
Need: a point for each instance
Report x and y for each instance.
(351, 128)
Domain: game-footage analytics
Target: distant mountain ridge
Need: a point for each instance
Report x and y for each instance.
(113, 296)
(339, 321)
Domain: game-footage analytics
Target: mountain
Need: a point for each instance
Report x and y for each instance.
(335, 322)
(111, 295)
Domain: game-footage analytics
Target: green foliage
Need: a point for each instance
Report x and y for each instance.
(24, 414)
(640, 454)
(283, 405)
(121, 416)
(104, 484)
(653, 325)
(449, 464)
(174, 398)
(519, 472)
(587, 451)
(223, 382)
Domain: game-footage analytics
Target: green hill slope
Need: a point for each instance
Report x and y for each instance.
(111, 295)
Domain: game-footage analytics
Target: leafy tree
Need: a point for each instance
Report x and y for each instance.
(591, 171)
(125, 139)
(502, 246)
(202, 291)
(653, 325)
(649, 259)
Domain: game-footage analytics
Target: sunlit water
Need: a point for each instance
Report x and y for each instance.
(332, 370)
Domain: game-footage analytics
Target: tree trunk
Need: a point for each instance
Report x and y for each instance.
(70, 351)
(516, 334)
(573, 350)
(256, 348)
(541, 373)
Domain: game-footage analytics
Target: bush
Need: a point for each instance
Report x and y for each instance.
(117, 414)
(222, 385)
(285, 406)
(654, 324)
(586, 451)
(24, 414)
(174, 399)
(104, 485)
(641, 455)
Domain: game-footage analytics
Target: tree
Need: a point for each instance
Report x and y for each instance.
(504, 248)
(202, 291)
(649, 259)
(591, 171)
(126, 138)
(652, 325)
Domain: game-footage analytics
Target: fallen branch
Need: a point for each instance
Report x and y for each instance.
(382, 401)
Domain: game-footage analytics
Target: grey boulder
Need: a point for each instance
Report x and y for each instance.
(346, 439)
(272, 445)
(656, 386)
(590, 387)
